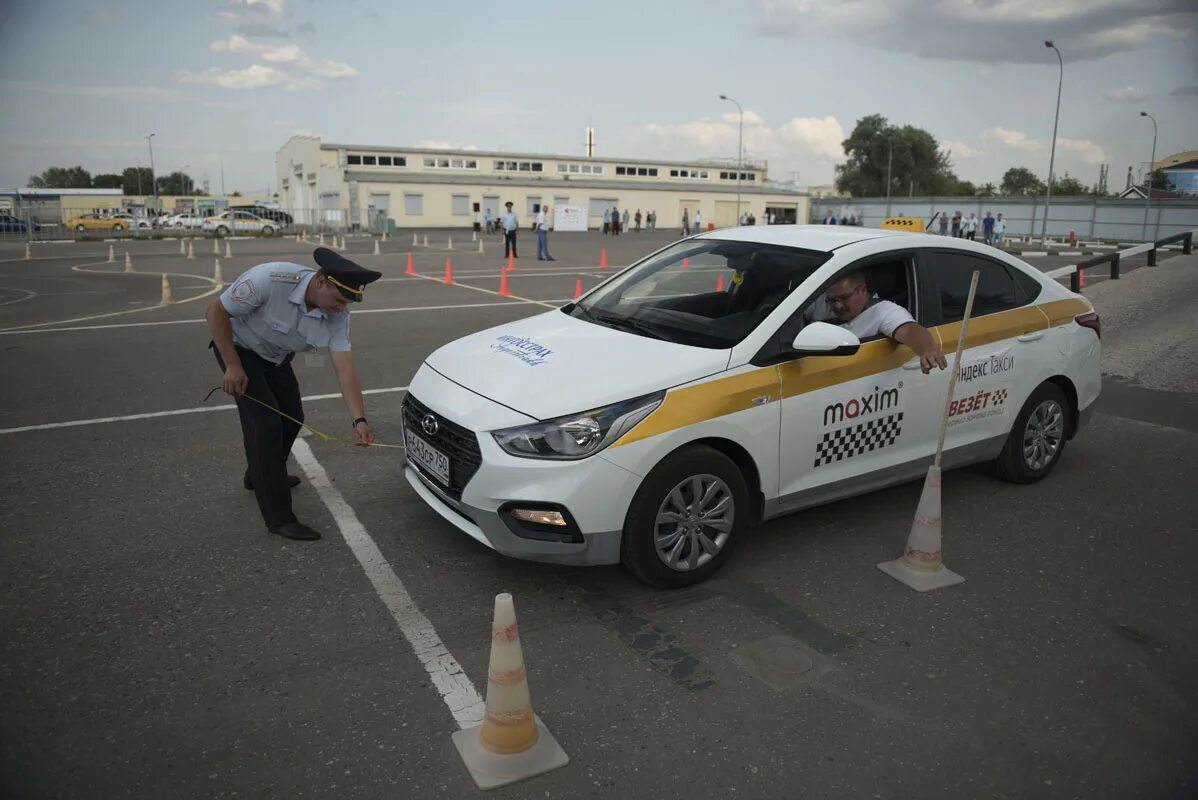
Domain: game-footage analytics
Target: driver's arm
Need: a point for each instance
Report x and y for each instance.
(920, 339)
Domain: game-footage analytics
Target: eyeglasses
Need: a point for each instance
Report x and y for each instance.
(834, 299)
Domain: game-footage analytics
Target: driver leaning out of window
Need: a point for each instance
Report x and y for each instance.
(849, 303)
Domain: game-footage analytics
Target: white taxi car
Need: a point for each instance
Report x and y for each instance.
(238, 222)
(688, 397)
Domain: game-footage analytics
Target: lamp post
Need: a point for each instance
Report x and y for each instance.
(740, 137)
(1053, 153)
(889, 163)
(1148, 188)
(153, 183)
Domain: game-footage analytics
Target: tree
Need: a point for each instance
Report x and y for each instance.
(987, 190)
(917, 163)
(62, 178)
(136, 180)
(108, 180)
(1068, 186)
(235, 194)
(176, 183)
(1021, 182)
(1160, 180)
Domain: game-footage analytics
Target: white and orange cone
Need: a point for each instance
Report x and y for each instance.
(28, 252)
(426, 240)
(228, 249)
(128, 263)
(922, 564)
(191, 251)
(215, 247)
(450, 245)
(217, 277)
(474, 236)
(322, 240)
(183, 246)
(512, 743)
(167, 296)
(111, 255)
(480, 245)
(415, 241)
(376, 247)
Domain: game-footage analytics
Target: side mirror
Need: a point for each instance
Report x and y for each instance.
(823, 339)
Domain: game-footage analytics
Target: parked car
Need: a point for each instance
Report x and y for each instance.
(98, 222)
(654, 419)
(187, 221)
(132, 221)
(283, 219)
(11, 224)
(239, 222)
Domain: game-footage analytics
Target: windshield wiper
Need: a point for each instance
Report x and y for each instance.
(631, 325)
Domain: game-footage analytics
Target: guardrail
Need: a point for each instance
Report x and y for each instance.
(1114, 259)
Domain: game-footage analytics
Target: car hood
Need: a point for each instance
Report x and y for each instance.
(554, 364)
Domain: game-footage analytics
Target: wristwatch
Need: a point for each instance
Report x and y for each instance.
(354, 424)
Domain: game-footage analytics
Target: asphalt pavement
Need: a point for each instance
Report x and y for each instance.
(158, 642)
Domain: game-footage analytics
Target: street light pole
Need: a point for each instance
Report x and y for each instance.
(153, 183)
(889, 163)
(1053, 153)
(1148, 188)
(740, 137)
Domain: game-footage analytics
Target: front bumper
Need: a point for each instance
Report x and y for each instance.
(595, 492)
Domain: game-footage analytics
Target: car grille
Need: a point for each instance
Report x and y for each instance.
(460, 444)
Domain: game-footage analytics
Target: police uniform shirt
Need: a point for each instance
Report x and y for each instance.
(878, 318)
(509, 221)
(270, 317)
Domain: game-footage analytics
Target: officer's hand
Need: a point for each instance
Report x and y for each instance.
(933, 357)
(235, 380)
(364, 434)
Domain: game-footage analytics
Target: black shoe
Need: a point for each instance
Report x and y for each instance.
(551, 258)
(295, 530)
(292, 482)
(541, 259)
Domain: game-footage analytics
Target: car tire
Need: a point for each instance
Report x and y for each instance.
(1037, 438)
(117, 228)
(221, 230)
(268, 231)
(81, 228)
(669, 490)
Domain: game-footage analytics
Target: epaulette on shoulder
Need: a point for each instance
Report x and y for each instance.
(283, 275)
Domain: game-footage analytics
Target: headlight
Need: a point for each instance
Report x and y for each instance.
(577, 435)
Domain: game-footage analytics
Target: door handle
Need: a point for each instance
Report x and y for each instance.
(1031, 337)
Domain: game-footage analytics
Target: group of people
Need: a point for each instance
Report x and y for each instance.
(831, 219)
(993, 228)
(614, 224)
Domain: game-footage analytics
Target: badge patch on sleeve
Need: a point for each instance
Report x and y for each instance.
(243, 290)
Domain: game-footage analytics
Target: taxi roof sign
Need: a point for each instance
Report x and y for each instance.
(903, 224)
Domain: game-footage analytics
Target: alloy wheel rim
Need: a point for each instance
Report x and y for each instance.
(1043, 435)
(694, 522)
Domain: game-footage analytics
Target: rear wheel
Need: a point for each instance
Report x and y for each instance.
(81, 228)
(118, 227)
(683, 521)
(268, 231)
(221, 230)
(1037, 438)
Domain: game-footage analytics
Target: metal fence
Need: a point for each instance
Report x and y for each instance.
(48, 221)
(1091, 218)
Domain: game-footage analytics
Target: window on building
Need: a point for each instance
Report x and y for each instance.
(461, 205)
(413, 204)
(384, 161)
(653, 172)
(621, 170)
(368, 161)
(399, 161)
(537, 166)
(534, 204)
(430, 162)
(353, 159)
(951, 273)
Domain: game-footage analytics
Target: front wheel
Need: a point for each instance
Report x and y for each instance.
(222, 231)
(118, 227)
(81, 228)
(1037, 438)
(683, 521)
(268, 231)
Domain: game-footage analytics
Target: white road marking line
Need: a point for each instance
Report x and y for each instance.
(28, 295)
(452, 683)
(75, 423)
(489, 291)
(511, 302)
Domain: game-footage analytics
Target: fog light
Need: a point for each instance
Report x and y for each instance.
(539, 516)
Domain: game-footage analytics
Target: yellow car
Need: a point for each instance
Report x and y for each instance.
(95, 222)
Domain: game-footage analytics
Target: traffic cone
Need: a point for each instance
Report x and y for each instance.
(512, 744)
(474, 236)
(686, 262)
(1081, 278)
(448, 279)
(217, 277)
(603, 258)
(504, 291)
(578, 288)
(426, 240)
(28, 252)
(228, 249)
(414, 242)
(511, 263)
(111, 255)
(376, 247)
(450, 245)
(411, 270)
(128, 263)
(384, 236)
(322, 240)
(719, 283)
(167, 297)
(182, 247)
(480, 245)
(215, 247)
(922, 566)
(297, 239)
(191, 251)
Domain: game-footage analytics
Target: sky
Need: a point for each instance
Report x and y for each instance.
(223, 84)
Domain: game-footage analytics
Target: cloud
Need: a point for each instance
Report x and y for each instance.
(959, 149)
(240, 10)
(1181, 91)
(236, 44)
(1128, 94)
(993, 31)
(1010, 138)
(287, 54)
(1090, 152)
(290, 55)
(263, 30)
(230, 104)
(818, 136)
(733, 118)
(432, 144)
(823, 136)
(255, 76)
(306, 28)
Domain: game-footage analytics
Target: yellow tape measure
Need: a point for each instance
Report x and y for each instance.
(321, 434)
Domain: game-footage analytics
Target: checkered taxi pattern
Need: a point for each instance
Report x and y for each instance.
(864, 437)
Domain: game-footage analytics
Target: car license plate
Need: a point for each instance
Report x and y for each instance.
(428, 456)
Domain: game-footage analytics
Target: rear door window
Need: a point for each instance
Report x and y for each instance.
(948, 276)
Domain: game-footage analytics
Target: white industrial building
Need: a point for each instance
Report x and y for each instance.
(365, 187)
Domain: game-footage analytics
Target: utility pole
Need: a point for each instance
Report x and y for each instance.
(1053, 153)
(153, 183)
(740, 135)
(1148, 186)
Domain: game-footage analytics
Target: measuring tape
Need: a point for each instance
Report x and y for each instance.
(321, 434)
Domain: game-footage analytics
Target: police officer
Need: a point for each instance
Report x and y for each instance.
(258, 324)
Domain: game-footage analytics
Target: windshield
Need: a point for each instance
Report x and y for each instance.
(700, 292)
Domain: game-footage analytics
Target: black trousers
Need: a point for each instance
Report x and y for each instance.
(266, 435)
(509, 243)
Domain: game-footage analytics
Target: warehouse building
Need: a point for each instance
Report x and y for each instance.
(376, 188)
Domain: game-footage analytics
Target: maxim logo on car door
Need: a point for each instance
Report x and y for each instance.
(862, 435)
(878, 401)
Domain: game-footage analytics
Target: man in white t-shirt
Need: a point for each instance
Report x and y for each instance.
(849, 303)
